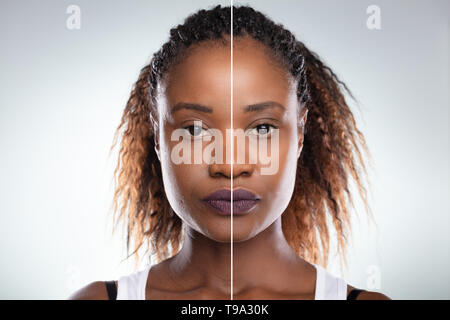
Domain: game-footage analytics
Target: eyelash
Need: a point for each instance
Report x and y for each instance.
(260, 124)
(187, 128)
(267, 125)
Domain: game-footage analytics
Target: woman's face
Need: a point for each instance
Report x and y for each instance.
(204, 78)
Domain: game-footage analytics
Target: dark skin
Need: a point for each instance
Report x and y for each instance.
(264, 265)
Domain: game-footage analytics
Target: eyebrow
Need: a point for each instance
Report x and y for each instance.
(263, 106)
(191, 106)
(250, 108)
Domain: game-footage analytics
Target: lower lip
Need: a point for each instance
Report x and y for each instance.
(239, 206)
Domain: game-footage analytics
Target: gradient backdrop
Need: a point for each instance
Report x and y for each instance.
(62, 93)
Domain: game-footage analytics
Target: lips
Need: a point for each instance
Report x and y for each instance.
(243, 201)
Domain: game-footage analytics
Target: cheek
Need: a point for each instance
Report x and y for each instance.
(282, 182)
(180, 180)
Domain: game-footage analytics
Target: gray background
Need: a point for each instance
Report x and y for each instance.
(62, 93)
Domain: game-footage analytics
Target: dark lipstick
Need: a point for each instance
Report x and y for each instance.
(243, 201)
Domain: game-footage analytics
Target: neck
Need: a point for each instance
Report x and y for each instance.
(258, 262)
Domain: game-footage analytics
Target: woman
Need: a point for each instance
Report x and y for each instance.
(281, 94)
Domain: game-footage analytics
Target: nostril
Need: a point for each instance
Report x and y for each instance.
(244, 174)
(219, 175)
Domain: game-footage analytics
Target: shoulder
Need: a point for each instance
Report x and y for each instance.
(93, 291)
(372, 295)
(368, 295)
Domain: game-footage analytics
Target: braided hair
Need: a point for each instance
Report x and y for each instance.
(331, 147)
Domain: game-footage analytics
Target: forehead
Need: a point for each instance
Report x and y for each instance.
(204, 76)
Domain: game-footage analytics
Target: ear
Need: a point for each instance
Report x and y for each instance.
(301, 129)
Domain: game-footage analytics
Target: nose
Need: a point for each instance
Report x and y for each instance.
(225, 170)
(240, 166)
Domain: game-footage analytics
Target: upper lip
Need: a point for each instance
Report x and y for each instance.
(238, 194)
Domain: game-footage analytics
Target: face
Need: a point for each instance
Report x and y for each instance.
(203, 79)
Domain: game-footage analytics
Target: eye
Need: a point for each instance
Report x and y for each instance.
(263, 129)
(195, 131)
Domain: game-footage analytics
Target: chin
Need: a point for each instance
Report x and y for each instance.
(240, 233)
(223, 233)
(243, 233)
(222, 237)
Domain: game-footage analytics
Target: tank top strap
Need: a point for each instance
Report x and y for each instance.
(132, 286)
(328, 286)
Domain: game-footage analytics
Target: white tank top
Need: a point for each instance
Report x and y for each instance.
(328, 286)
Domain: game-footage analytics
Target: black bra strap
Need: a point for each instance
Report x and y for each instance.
(112, 290)
(354, 293)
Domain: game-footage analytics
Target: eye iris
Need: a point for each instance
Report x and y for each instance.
(265, 129)
(194, 129)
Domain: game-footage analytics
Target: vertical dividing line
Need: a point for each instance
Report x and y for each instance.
(232, 152)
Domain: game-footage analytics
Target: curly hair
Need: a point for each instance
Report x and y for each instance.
(331, 146)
